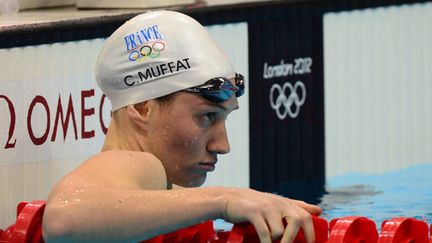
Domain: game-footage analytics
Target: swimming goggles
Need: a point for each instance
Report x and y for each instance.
(220, 89)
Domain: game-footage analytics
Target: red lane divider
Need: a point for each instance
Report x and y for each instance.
(28, 225)
(403, 230)
(353, 229)
(245, 232)
(28, 229)
(200, 233)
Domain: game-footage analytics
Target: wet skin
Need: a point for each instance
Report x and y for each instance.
(150, 146)
(188, 135)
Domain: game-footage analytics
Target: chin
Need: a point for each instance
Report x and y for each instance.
(193, 182)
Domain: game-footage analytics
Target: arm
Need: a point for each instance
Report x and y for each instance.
(97, 204)
(127, 215)
(135, 215)
(121, 196)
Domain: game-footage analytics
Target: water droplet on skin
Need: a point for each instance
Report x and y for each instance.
(165, 134)
(138, 194)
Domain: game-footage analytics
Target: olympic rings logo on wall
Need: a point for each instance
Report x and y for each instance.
(285, 101)
(150, 50)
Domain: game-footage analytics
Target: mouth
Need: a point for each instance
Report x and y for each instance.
(207, 166)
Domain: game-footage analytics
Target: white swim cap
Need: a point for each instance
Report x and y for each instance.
(155, 54)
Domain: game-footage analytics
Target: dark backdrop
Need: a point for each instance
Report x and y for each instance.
(289, 146)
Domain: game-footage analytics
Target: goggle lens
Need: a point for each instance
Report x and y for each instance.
(220, 89)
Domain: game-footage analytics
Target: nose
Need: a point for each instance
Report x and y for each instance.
(218, 142)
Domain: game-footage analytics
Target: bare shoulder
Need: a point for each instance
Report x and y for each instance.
(122, 170)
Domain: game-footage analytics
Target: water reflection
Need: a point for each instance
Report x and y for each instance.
(402, 193)
(346, 195)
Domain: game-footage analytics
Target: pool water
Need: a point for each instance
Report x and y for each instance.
(401, 193)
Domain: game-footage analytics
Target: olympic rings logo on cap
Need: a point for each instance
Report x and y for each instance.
(149, 50)
(282, 100)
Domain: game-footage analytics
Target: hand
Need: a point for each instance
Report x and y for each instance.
(266, 212)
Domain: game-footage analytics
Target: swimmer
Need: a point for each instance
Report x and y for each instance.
(171, 89)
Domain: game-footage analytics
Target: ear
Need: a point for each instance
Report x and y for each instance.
(139, 114)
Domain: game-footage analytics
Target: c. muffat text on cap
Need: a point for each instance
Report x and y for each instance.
(155, 54)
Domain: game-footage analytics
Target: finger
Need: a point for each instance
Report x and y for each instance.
(291, 231)
(308, 228)
(275, 224)
(262, 229)
(312, 209)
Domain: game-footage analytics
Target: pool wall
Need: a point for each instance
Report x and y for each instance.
(378, 112)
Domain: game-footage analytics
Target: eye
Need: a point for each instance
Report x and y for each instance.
(210, 117)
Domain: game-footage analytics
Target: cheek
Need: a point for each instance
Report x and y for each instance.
(178, 138)
(180, 141)
(182, 152)
(187, 140)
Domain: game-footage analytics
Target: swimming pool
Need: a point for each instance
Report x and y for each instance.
(406, 193)
(400, 193)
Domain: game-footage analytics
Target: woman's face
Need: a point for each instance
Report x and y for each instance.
(187, 135)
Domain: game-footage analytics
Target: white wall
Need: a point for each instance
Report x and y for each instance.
(378, 83)
(28, 171)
